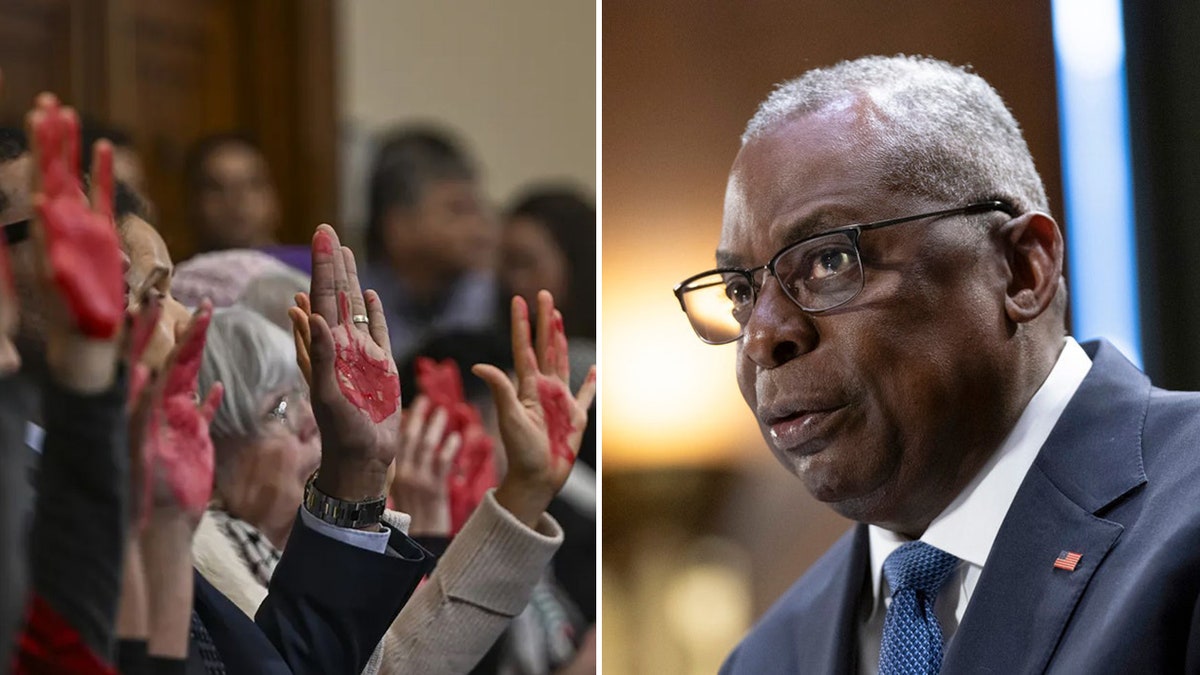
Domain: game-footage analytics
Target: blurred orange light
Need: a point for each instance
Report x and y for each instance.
(669, 399)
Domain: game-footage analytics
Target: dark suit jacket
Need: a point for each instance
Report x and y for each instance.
(15, 496)
(328, 605)
(1117, 481)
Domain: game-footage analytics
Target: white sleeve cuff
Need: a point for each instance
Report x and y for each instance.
(370, 541)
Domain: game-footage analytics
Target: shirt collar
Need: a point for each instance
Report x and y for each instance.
(967, 528)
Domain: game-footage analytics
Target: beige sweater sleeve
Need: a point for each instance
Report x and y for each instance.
(485, 579)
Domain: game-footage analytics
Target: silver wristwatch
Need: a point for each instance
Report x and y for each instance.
(339, 512)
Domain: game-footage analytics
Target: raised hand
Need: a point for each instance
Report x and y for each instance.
(171, 426)
(139, 403)
(355, 384)
(82, 256)
(424, 458)
(474, 469)
(302, 335)
(541, 424)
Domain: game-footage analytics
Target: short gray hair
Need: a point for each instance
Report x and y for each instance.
(271, 295)
(252, 358)
(945, 132)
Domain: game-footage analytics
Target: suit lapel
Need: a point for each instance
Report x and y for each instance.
(1022, 602)
(854, 582)
(1092, 458)
(826, 631)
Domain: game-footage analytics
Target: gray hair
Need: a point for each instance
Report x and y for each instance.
(252, 358)
(271, 295)
(941, 131)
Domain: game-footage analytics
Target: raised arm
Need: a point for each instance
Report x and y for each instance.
(80, 514)
(489, 571)
(325, 611)
(541, 423)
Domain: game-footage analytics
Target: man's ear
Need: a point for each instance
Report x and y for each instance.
(1033, 246)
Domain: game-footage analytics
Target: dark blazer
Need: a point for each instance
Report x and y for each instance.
(327, 606)
(15, 496)
(1117, 481)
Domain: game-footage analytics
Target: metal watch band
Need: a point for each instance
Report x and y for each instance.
(341, 513)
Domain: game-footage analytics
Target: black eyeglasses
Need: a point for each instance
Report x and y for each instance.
(817, 273)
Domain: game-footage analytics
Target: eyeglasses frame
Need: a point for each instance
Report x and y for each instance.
(279, 412)
(853, 232)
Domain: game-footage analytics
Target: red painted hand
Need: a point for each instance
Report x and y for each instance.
(474, 469)
(541, 424)
(82, 253)
(176, 446)
(355, 384)
(367, 379)
(138, 403)
(442, 383)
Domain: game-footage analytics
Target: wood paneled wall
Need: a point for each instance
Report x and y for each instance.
(171, 71)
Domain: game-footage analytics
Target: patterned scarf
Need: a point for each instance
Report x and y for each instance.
(259, 554)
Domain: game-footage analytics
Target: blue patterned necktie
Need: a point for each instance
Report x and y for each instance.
(912, 637)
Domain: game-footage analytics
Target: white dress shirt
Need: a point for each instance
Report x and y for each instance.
(968, 526)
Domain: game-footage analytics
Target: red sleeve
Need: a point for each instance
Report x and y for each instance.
(50, 645)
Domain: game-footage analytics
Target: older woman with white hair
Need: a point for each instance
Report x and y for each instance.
(266, 446)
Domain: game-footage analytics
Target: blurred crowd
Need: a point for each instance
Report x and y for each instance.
(277, 457)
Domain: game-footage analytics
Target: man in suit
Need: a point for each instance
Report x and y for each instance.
(892, 278)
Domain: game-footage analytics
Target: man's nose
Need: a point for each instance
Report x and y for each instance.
(778, 330)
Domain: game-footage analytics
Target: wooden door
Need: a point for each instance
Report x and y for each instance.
(171, 71)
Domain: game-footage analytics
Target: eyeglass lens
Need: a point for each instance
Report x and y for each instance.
(817, 274)
(285, 407)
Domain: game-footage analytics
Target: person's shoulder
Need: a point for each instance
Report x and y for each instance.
(1171, 431)
(1174, 408)
(814, 600)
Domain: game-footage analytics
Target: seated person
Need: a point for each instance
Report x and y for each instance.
(532, 401)
(318, 617)
(552, 630)
(231, 200)
(72, 273)
(549, 242)
(431, 243)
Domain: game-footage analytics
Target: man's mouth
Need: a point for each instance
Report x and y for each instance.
(797, 431)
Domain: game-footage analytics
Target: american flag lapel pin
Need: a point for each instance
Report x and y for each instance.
(1067, 560)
